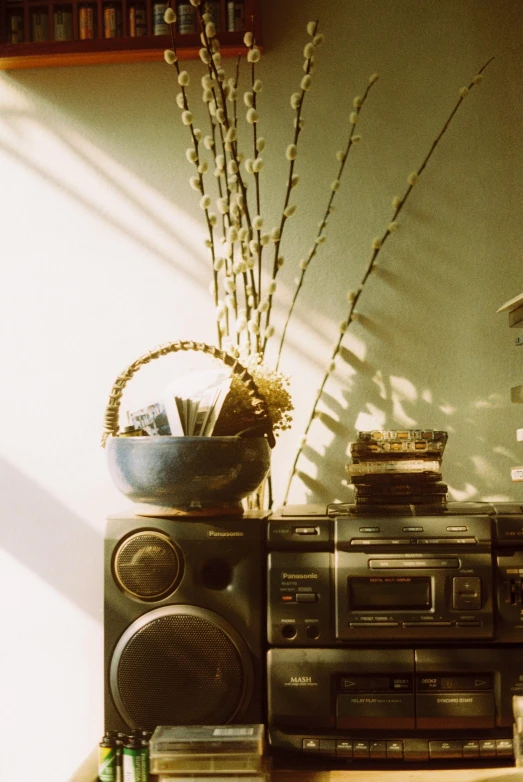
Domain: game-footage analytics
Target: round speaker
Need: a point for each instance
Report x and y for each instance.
(147, 565)
(180, 665)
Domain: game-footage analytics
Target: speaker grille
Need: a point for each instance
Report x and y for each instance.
(180, 670)
(147, 565)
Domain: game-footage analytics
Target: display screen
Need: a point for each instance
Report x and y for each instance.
(391, 593)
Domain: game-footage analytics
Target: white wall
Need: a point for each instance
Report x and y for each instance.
(103, 258)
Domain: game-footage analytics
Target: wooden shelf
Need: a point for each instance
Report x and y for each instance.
(125, 48)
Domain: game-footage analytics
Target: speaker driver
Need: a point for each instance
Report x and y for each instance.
(180, 665)
(147, 565)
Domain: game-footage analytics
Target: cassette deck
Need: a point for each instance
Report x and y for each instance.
(395, 637)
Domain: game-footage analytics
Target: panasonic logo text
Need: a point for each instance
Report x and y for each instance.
(299, 575)
(214, 534)
(455, 700)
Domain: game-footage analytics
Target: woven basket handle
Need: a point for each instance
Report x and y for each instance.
(112, 411)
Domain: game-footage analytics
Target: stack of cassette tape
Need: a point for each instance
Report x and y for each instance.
(216, 753)
(398, 471)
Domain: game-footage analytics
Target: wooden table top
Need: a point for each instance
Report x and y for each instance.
(403, 775)
(87, 772)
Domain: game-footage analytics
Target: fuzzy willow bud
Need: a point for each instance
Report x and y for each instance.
(308, 52)
(169, 56)
(306, 83)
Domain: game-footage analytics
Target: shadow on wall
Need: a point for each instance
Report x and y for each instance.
(472, 467)
(51, 541)
(104, 188)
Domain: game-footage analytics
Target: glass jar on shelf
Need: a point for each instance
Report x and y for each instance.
(137, 20)
(112, 13)
(63, 23)
(87, 22)
(39, 25)
(15, 25)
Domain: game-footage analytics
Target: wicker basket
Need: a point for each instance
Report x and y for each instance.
(173, 476)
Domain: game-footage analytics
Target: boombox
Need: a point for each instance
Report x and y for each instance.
(360, 638)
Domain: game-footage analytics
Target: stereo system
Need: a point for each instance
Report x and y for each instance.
(356, 637)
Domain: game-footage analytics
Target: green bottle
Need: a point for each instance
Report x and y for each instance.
(107, 759)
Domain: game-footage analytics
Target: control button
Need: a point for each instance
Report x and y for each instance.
(445, 749)
(394, 750)
(306, 531)
(471, 749)
(344, 748)
(466, 593)
(441, 541)
(380, 542)
(412, 529)
(312, 631)
(373, 625)
(487, 748)
(360, 749)
(435, 710)
(427, 624)
(289, 631)
(457, 529)
(305, 597)
(504, 748)
(369, 529)
(468, 624)
(327, 746)
(311, 745)
(378, 750)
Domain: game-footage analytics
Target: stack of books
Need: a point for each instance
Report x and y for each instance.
(394, 470)
(514, 308)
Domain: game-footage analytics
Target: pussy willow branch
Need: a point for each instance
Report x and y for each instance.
(297, 131)
(256, 173)
(208, 44)
(250, 272)
(225, 188)
(253, 339)
(201, 182)
(227, 122)
(323, 223)
(219, 101)
(377, 246)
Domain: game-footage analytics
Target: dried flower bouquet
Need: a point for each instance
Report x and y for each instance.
(245, 251)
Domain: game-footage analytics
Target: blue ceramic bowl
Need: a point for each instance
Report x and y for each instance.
(188, 472)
